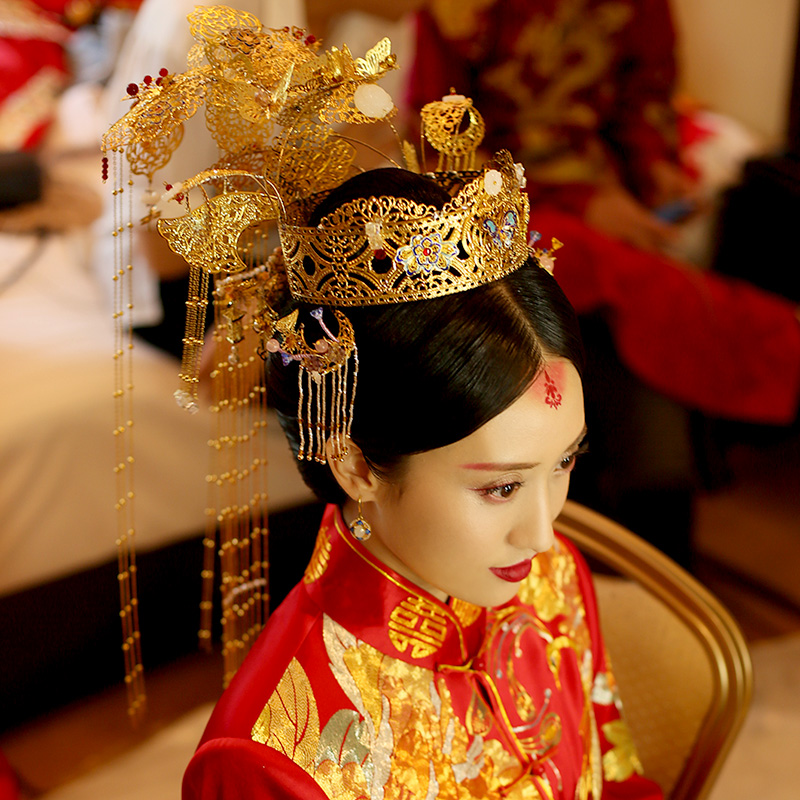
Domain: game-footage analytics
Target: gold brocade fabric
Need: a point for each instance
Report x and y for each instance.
(513, 702)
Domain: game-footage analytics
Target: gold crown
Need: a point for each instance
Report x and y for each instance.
(478, 236)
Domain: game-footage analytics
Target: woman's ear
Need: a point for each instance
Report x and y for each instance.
(353, 474)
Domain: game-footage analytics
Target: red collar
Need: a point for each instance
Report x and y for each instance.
(384, 609)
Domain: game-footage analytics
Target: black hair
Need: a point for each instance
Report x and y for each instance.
(433, 371)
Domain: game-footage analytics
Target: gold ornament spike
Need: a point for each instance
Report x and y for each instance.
(208, 236)
(443, 125)
(410, 158)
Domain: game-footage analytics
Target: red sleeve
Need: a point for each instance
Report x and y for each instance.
(714, 344)
(240, 769)
(622, 778)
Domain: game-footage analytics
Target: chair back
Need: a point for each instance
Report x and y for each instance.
(680, 660)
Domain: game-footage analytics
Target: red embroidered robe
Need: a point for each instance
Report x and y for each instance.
(363, 685)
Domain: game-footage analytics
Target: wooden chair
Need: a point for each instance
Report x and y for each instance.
(680, 660)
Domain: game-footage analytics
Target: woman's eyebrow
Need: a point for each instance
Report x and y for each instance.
(508, 466)
(581, 436)
(500, 466)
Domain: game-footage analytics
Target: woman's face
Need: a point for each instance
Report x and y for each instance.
(466, 519)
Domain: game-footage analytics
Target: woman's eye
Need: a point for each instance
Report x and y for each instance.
(567, 464)
(501, 492)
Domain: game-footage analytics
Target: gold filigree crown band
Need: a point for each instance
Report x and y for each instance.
(477, 237)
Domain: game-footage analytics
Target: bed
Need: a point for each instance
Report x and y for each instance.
(59, 624)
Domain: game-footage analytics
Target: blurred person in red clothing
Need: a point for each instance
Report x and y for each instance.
(582, 92)
(35, 64)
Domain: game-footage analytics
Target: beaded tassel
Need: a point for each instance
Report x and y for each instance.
(325, 409)
(237, 522)
(123, 433)
(193, 338)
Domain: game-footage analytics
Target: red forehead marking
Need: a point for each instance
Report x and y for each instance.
(548, 384)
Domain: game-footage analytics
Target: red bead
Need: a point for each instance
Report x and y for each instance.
(379, 253)
(310, 39)
(163, 72)
(148, 79)
(132, 89)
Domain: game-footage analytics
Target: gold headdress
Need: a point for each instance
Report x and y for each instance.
(275, 105)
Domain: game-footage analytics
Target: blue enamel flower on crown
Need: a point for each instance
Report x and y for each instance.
(426, 253)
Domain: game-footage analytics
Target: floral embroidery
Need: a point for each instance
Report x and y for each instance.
(292, 702)
(407, 731)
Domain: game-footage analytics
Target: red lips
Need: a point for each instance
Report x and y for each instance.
(514, 573)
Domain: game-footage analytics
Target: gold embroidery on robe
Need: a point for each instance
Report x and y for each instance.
(621, 761)
(289, 723)
(571, 51)
(319, 558)
(458, 19)
(400, 736)
(554, 591)
(418, 623)
(466, 612)
(419, 748)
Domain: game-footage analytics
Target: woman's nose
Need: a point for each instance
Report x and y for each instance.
(533, 530)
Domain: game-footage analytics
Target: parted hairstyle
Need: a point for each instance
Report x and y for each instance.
(432, 371)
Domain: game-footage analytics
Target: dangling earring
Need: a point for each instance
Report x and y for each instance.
(359, 527)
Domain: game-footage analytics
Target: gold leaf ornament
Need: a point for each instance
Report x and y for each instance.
(146, 157)
(289, 722)
(345, 739)
(377, 61)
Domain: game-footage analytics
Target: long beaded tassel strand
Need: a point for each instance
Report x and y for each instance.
(123, 434)
(238, 499)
